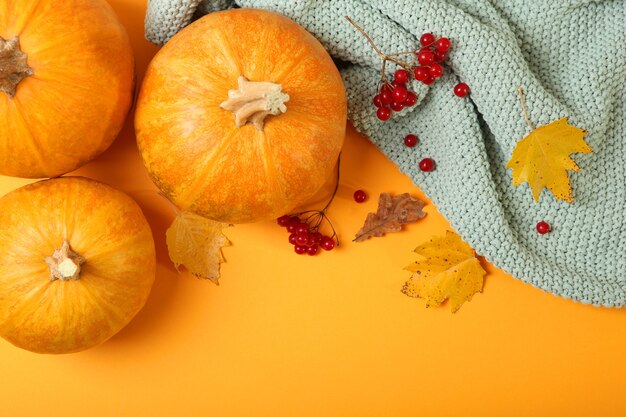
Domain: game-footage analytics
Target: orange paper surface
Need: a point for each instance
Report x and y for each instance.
(331, 335)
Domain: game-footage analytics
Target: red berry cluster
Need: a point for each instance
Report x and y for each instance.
(433, 52)
(306, 238)
(396, 95)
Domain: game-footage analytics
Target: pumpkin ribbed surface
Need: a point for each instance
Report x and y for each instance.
(190, 142)
(95, 293)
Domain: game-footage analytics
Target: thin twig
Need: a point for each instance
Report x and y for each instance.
(521, 96)
(383, 56)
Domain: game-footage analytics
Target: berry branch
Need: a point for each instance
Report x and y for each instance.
(521, 97)
(425, 67)
(304, 226)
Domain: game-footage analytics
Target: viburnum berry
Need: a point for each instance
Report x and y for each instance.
(283, 221)
(401, 76)
(436, 70)
(427, 39)
(543, 228)
(315, 238)
(399, 93)
(383, 113)
(411, 99)
(302, 239)
(312, 250)
(410, 140)
(293, 223)
(461, 90)
(300, 250)
(302, 229)
(442, 44)
(421, 73)
(377, 101)
(396, 106)
(360, 196)
(328, 243)
(386, 97)
(427, 165)
(292, 238)
(429, 80)
(425, 57)
(439, 56)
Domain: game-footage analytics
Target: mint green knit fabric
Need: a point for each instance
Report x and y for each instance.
(569, 56)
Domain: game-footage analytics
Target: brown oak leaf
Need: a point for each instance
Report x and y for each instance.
(393, 212)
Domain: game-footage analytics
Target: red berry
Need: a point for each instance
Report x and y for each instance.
(302, 239)
(427, 39)
(401, 76)
(399, 93)
(411, 99)
(377, 101)
(425, 57)
(386, 97)
(429, 80)
(410, 140)
(421, 73)
(383, 113)
(314, 239)
(302, 229)
(442, 44)
(461, 90)
(300, 250)
(328, 243)
(283, 221)
(439, 56)
(312, 250)
(436, 70)
(360, 196)
(543, 228)
(395, 106)
(292, 238)
(427, 165)
(293, 223)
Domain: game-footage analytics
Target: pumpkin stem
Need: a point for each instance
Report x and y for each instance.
(64, 263)
(253, 101)
(13, 65)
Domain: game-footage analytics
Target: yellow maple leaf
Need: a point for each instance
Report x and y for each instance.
(196, 243)
(542, 158)
(449, 270)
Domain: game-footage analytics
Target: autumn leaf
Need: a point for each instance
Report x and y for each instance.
(196, 243)
(392, 214)
(449, 270)
(542, 158)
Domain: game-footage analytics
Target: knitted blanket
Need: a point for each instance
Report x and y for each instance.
(569, 56)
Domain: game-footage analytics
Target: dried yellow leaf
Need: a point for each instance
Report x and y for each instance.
(542, 158)
(196, 243)
(449, 270)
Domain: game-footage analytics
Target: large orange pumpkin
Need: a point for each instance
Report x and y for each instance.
(241, 116)
(77, 262)
(66, 83)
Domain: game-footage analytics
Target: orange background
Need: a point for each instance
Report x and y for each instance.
(287, 335)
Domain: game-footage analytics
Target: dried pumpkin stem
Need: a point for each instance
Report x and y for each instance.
(65, 264)
(253, 101)
(13, 65)
(521, 96)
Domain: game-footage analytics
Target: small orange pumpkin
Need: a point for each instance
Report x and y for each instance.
(66, 83)
(241, 116)
(77, 262)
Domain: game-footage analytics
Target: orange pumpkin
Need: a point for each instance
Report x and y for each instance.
(66, 83)
(241, 116)
(77, 262)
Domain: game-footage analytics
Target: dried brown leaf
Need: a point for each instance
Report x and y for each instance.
(393, 212)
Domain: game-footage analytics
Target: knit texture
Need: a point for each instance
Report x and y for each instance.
(569, 56)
